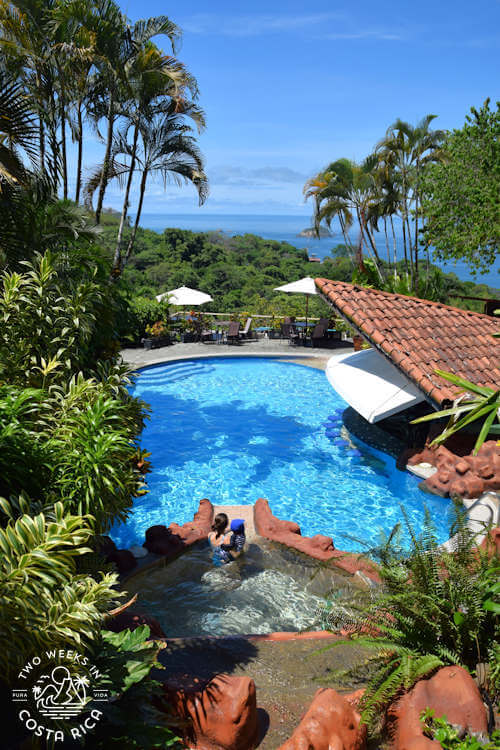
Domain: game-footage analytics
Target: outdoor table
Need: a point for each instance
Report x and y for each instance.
(302, 328)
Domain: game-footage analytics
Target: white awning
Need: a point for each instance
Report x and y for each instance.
(371, 384)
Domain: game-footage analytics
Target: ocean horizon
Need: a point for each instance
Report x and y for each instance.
(286, 228)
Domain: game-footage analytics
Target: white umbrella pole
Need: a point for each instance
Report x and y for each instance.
(307, 309)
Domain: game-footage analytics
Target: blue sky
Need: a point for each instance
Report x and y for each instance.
(288, 87)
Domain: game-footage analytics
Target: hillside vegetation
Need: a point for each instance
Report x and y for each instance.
(241, 272)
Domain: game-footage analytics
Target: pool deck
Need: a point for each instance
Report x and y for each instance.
(312, 357)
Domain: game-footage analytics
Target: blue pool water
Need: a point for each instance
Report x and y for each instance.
(236, 429)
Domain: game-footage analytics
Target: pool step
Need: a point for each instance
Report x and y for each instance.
(173, 373)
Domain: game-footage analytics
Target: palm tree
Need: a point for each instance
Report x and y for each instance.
(403, 152)
(25, 42)
(112, 45)
(152, 78)
(170, 151)
(73, 26)
(166, 148)
(117, 52)
(346, 190)
(17, 130)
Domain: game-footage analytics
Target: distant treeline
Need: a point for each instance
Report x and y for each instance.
(241, 272)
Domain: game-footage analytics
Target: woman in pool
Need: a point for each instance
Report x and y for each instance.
(217, 537)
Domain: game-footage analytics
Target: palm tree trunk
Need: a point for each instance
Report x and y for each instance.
(412, 260)
(346, 237)
(53, 140)
(395, 248)
(371, 239)
(105, 166)
(41, 131)
(359, 251)
(41, 138)
(137, 219)
(387, 242)
(416, 223)
(80, 153)
(374, 255)
(118, 250)
(63, 141)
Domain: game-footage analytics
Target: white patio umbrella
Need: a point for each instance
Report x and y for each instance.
(185, 296)
(302, 286)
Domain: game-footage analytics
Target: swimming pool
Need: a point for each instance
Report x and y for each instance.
(238, 428)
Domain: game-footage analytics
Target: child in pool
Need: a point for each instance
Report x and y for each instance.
(237, 541)
(216, 538)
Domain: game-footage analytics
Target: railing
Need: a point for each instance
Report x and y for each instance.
(227, 315)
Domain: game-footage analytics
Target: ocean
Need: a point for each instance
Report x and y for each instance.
(286, 229)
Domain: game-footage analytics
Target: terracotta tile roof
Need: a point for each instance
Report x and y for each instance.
(419, 336)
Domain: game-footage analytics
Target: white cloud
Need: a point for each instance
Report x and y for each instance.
(388, 36)
(313, 24)
(233, 175)
(254, 25)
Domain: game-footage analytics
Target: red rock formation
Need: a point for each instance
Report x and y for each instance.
(198, 528)
(320, 547)
(330, 722)
(466, 476)
(220, 716)
(133, 620)
(169, 542)
(451, 692)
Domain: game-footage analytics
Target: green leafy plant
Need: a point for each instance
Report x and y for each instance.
(130, 718)
(44, 603)
(433, 609)
(437, 728)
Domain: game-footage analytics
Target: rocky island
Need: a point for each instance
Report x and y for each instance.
(311, 232)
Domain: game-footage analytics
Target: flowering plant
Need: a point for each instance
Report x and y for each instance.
(157, 329)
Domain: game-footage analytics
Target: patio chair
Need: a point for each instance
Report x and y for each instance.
(318, 335)
(207, 335)
(288, 331)
(233, 333)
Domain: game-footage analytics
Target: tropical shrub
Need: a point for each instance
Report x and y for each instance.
(46, 329)
(126, 660)
(435, 607)
(44, 602)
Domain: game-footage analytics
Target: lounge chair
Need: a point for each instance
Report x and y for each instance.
(233, 333)
(246, 333)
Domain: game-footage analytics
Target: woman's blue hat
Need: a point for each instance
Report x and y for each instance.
(237, 524)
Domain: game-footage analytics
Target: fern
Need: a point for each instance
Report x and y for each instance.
(434, 608)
